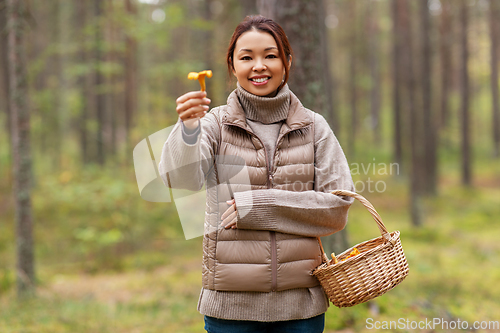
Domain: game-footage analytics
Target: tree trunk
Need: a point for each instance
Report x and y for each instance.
(111, 81)
(267, 8)
(445, 33)
(429, 160)
(4, 69)
(328, 83)
(397, 82)
(334, 118)
(466, 157)
(99, 83)
(304, 24)
(82, 81)
(20, 116)
(130, 77)
(494, 37)
(207, 42)
(353, 78)
(415, 128)
(375, 90)
(249, 7)
(54, 135)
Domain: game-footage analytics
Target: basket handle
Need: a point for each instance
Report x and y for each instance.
(373, 212)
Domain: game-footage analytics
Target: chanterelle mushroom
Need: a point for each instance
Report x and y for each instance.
(201, 77)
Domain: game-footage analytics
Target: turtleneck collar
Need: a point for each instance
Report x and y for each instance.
(266, 110)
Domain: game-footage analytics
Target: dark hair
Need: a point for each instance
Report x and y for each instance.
(261, 23)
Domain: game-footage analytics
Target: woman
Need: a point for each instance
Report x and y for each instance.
(269, 165)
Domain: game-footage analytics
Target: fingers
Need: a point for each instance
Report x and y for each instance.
(193, 112)
(229, 220)
(230, 216)
(190, 95)
(230, 210)
(191, 109)
(193, 104)
(231, 224)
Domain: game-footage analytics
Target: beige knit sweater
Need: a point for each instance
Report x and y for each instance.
(265, 116)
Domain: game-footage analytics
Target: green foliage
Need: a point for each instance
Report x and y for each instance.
(101, 216)
(6, 280)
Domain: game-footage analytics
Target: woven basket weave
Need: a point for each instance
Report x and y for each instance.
(379, 267)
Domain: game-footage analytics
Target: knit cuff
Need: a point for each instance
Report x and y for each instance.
(255, 211)
(183, 153)
(190, 136)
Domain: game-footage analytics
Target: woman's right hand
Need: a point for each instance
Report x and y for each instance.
(192, 106)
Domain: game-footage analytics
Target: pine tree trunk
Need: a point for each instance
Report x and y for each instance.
(130, 77)
(375, 91)
(20, 116)
(397, 82)
(494, 37)
(334, 119)
(465, 128)
(329, 100)
(99, 83)
(82, 81)
(207, 43)
(249, 7)
(4, 70)
(54, 132)
(353, 75)
(446, 42)
(304, 25)
(267, 8)
(111, 81)
(429, 160)
(410, 84)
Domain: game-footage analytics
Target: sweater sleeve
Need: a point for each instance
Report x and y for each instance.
(314, 213)
(188, 155)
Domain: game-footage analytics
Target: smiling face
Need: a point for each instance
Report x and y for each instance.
(256, 63)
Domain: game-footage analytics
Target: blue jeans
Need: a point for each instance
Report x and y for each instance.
(311, 325)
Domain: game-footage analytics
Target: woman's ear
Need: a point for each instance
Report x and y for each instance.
(233, 71)
(290, 62)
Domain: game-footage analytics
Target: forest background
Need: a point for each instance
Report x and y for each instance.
(410, 88)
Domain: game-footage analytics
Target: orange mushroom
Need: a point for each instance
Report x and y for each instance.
(201, 77)
(334, 259)
(353, 253)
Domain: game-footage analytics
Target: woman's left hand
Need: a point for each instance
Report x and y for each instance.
(230, 215)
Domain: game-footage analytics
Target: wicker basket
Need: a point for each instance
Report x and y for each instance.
(379, 267)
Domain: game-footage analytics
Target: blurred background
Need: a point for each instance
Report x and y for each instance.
(410, 88)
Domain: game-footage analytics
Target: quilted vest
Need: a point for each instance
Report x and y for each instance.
(254, 260)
